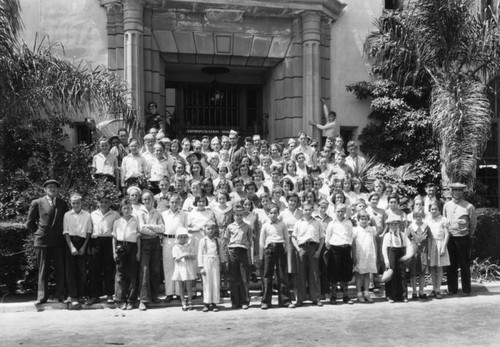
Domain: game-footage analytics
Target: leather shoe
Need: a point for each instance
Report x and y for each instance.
(142, 307)
(40, 302)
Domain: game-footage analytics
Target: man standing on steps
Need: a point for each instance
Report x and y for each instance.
(462, 219)
(45, 219)
(236, 152)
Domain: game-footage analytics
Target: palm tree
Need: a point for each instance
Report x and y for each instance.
(444, 44)
(36, 83)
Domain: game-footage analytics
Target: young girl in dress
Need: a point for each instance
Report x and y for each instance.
(438, 251)
(184, 255)
(209, 258)
(365, 255)
(417, 233)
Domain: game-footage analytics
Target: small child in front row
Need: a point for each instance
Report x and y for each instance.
(209, 257)
(184, 255)
(77, 229)
(396, 250)
(365, 254)
(127, 254)
(418, 233)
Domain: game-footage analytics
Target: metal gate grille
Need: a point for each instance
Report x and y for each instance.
(211, 108)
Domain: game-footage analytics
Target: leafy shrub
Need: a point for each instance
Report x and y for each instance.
(486, 241)
(485, 271)
(12, 253)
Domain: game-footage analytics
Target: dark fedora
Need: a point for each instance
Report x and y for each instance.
(46, 183)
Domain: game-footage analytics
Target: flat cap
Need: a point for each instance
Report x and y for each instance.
(46, 183)
(457, 185)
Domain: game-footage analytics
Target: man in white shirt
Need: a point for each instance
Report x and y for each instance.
(354, 160)
(174, 218)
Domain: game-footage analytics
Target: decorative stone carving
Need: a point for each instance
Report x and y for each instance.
(231, 16)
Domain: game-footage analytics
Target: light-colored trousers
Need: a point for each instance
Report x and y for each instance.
(211, 280)
(171, 287)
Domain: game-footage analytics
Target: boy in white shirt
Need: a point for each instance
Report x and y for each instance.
(77, 228)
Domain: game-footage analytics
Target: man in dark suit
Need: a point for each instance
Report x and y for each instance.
(45, 219)
(236, 152)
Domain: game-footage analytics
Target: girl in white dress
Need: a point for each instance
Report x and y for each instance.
(184, 256)
(437, 250)
(365, 255)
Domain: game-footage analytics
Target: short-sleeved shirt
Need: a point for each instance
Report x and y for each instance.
(124, 230)
(77, 224)
(160, 168)
(239, 235)
(103, 224)
(340, 233)
(105, 165)
(133, 166)
(152, 219)
(462, 217)
(273, 233)
(308, 231)
(174, 221)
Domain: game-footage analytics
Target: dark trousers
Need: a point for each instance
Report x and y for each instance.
(102, 267)
(340, 264)
(275, 258)
(45, 256)
(76, 270)
(459, 249)
(150, 272)
(239, 276)
(308, 272)
(126, 274)
(396, 288)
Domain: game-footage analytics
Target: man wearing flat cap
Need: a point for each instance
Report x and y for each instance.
(462, 219)
(45, 219)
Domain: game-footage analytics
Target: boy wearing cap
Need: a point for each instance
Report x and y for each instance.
(462, 219)
(45, 219)
(77, 228)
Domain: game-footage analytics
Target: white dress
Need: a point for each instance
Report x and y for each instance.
(184, 269)
(366, 252)
(436, 240)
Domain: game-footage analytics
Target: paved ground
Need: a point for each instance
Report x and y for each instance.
(452, 321)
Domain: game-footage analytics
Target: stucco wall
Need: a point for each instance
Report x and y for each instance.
(347, 64)
(80, 25)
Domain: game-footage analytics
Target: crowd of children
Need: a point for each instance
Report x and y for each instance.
(211, 210)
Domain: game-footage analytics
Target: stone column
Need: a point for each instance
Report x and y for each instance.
(311, 40)
(133, 27)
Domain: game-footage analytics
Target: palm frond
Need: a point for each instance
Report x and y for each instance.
(461, 118)
(10, 23)
(39, 83)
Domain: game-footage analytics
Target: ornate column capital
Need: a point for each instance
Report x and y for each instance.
(311, 26)
(133, 15)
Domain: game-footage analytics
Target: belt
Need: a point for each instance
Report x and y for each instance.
(275, 244)
(341, 246)
(169, 236)
(308, 243)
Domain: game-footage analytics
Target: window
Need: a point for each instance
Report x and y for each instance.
(392, 4)
(494, 96)
(487, 168)
(83, 133)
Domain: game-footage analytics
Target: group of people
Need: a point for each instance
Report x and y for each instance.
(294, 213)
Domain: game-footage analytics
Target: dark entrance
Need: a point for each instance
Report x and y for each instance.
(214, 109)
